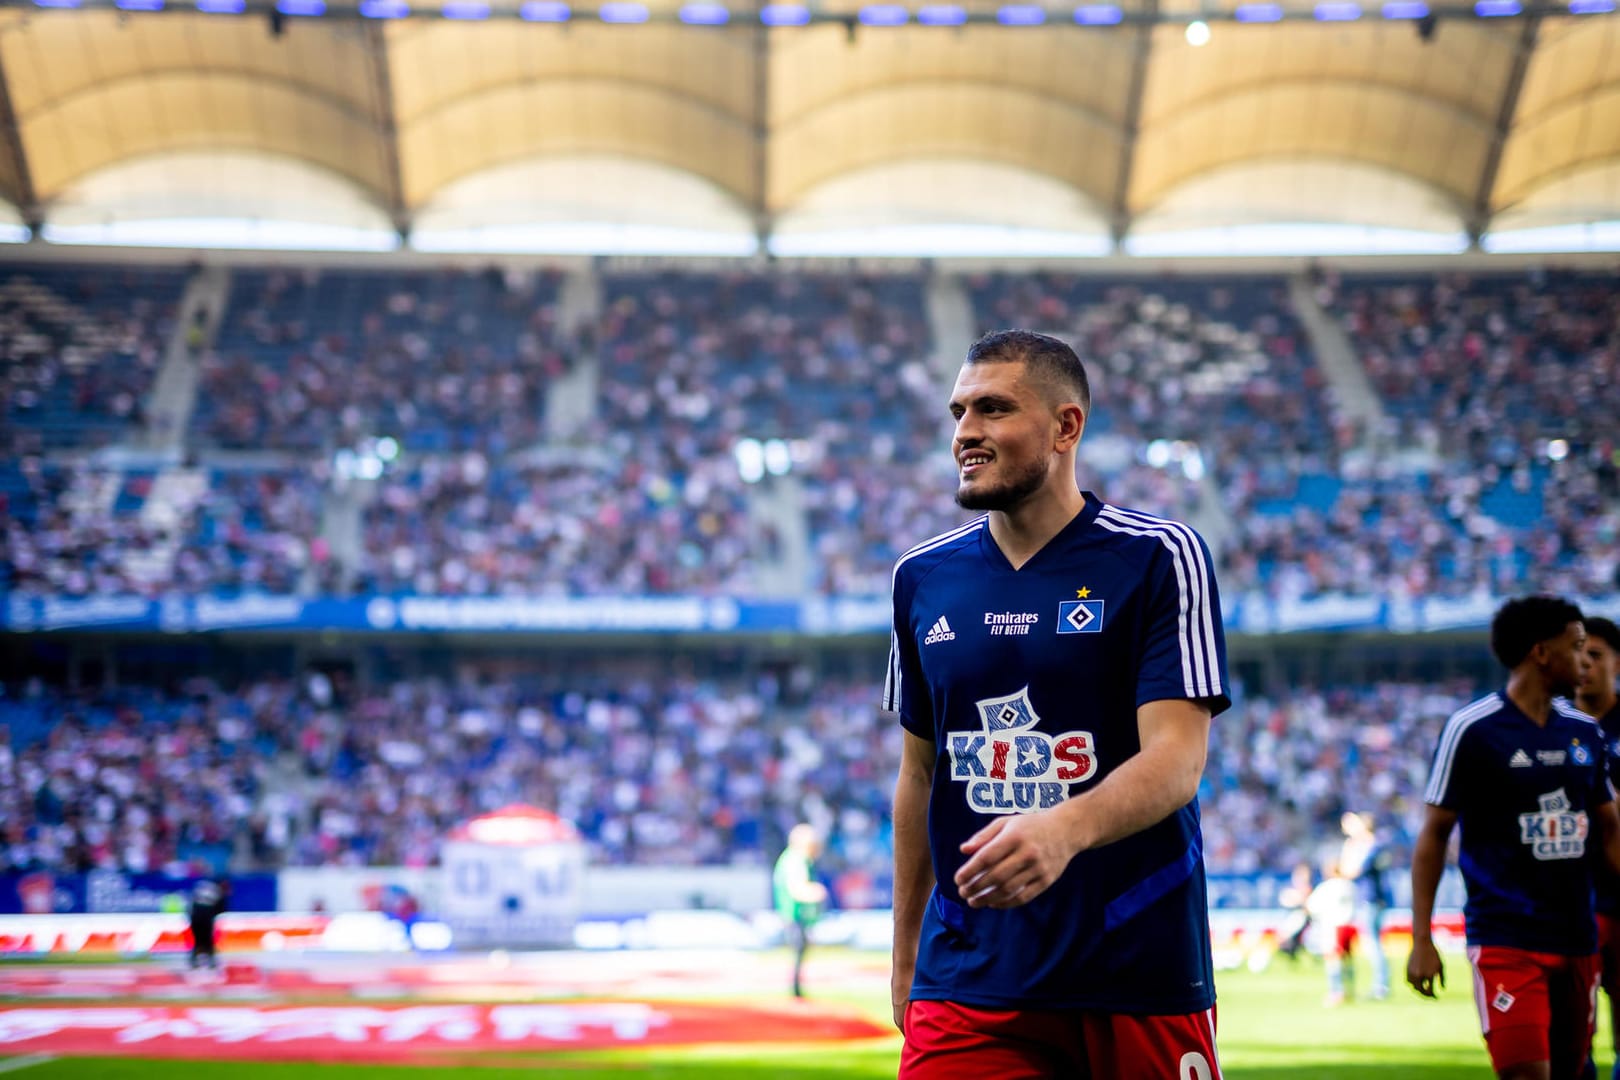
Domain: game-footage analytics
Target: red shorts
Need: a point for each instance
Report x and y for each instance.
(1344, 939)
(1609, 952)
(1536, 1006)
(946, 1041)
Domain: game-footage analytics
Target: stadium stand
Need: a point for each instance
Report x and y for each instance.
(442, 361)
(654, 770)
(648, 499)
(82, 344)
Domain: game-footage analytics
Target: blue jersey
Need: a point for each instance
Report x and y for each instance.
(1371, 875)
(1608, 888)
(1524, 796)
(1027, 683)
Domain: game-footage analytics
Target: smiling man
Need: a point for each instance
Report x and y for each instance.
(1055, 664)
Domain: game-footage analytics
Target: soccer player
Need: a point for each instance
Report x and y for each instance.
(798, 894)
(1365, 860)
(1055, 664)
(1597, 699)
(1522, 771)
(209, 900)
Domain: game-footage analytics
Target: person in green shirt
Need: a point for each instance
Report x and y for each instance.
(798, 894)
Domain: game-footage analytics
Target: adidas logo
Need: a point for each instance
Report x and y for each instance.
(1519, 760)
(940, 631)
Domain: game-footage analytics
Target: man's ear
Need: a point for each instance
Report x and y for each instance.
(1071, 426)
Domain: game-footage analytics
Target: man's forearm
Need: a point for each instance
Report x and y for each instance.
(1428, 863)
(913, 865)
(1152, 785)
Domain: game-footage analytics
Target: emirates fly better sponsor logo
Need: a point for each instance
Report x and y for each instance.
(1010, 768)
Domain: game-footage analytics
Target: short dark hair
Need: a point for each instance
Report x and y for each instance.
(1526, 622)
(1599, 627)
(1049, 359)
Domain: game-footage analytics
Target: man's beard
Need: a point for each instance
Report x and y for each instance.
(1013, 491)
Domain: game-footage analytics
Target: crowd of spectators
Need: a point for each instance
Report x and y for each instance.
(1283, 768)
(1222, 363)
(1497, 468)
(1489, 368)
(1494, 471)
(655, 769)
(441, 361)
(631, 515)
(654, 499)
(79, 349)
(92, 531)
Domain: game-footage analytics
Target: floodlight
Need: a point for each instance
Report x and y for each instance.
(705, 13)
(1021, 15)
(1098, 15)
(1257, 13)
(552, 11)
(784, 14)
(884, 15)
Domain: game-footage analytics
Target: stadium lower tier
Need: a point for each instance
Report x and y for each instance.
(654, 768)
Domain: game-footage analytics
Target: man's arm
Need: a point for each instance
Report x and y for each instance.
(1608, 822)
(1428, 863)
(1016, 858)
(913, 865)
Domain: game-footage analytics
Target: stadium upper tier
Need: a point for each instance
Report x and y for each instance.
(613, 440)
(445, 361)
(1222, 363)
(81, 346)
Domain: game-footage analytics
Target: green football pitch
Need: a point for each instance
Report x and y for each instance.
(1273, 1026)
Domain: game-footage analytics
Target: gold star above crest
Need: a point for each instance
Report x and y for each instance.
(1083, 593)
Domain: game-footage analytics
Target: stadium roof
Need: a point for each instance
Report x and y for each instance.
(515, 135)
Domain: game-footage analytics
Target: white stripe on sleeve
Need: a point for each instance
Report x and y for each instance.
(1199, 662)
(1451, 738)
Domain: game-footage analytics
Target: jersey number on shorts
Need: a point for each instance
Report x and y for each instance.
(1195, 1066)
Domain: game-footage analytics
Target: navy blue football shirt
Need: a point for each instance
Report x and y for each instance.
(1524, 795)
(1608, 887)
(1027, 683)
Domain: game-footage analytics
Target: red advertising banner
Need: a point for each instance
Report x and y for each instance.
(379, 1033)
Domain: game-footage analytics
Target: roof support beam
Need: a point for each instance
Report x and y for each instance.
(33, 214)
(1119, 221)
(761, 207)
(1479, 214)
(382, 83)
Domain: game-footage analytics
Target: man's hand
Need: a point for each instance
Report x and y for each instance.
(900, 994)
(1013, 860)
(1424, 967)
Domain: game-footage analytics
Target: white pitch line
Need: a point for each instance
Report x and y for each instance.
(27, 1061)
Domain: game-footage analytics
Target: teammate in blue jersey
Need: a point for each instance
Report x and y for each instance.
(1522, 771)
(1055, 664)
(1597, 699)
